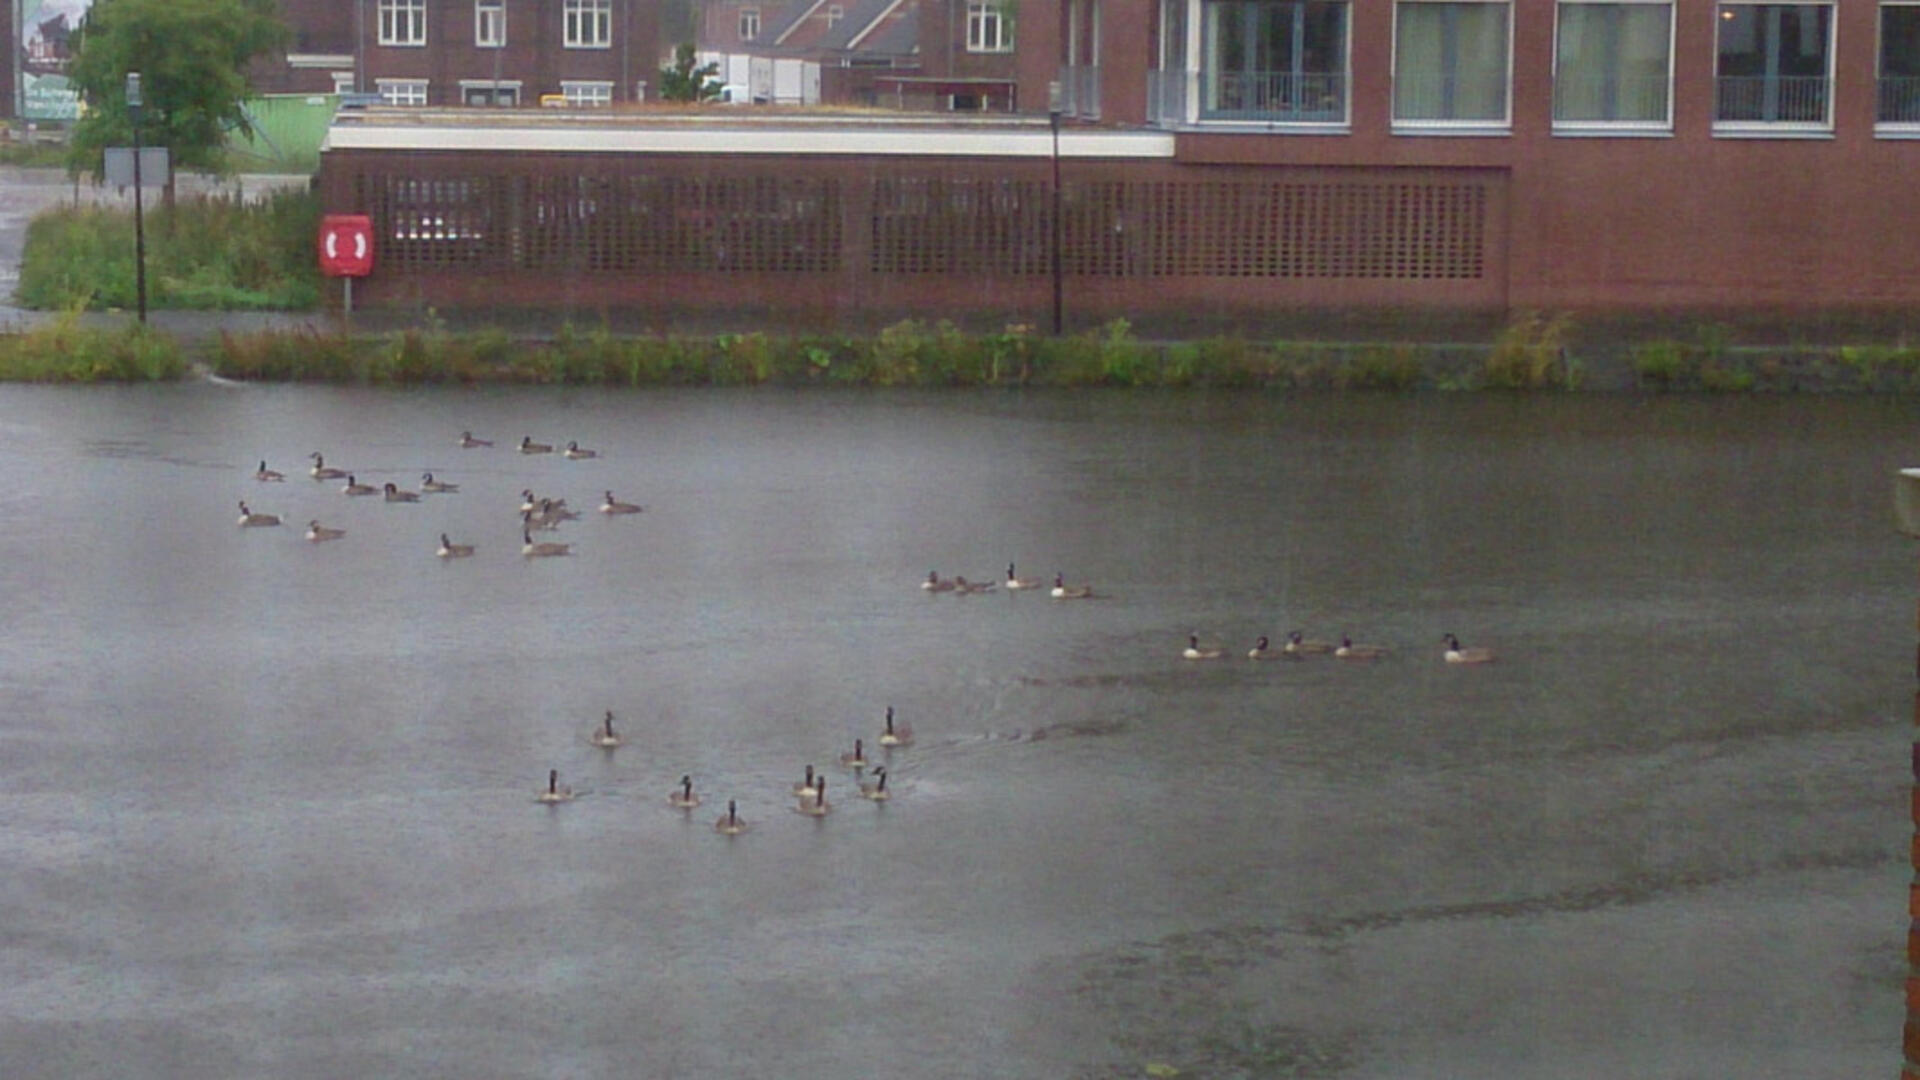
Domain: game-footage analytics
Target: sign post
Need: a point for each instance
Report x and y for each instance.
(346, 251)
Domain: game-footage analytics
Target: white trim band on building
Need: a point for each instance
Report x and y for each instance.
(1022, 142)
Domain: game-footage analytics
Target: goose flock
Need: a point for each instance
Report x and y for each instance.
(536, 514)
(549, 513)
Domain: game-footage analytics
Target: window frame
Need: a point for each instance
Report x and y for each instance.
(391, 16)
(389, 91)
(985, 14)
(749, 23)
(586, 24)
(1897, 129)
(1445, 126)
(1775, 129)
(1663, 126)
(481, 10)
(569, 89)
(1199, 15)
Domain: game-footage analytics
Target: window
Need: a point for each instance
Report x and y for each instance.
(1273, 60)
(343, 82)
(587, 94)
(402, 91)
(834, 14)
(1773, 64)
(988, 28)
(490, 23)
(1899, 64)
(403, 22)
(589, 24)
(749, 23)
(1450, 64)
(1613, 64)
(482, 93)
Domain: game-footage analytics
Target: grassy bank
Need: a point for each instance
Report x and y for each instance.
(218, 253)
(1530, 355)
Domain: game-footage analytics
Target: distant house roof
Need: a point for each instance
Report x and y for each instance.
(900, 37)
(855, 24)
(774, 30)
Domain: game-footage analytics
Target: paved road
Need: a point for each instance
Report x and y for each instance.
(26, 192)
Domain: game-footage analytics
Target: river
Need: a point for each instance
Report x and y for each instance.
(267, 807)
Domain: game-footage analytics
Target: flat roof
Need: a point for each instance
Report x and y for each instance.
(742, 129)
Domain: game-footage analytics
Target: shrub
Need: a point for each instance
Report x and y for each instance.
(1530, 354)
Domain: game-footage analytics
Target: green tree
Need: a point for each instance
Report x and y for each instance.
(192, 56)
(685, 81)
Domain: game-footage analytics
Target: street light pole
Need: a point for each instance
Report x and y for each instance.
(139, 224)
(1053, 121)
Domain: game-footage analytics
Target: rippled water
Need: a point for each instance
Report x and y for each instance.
(267, 807)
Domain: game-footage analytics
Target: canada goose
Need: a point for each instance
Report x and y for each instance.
(895, 736)
(575, 453)
(317, 532)
(876, 789)
(555, 793)
(963, 587)
(529, 548)
(250, 519)
(355, 487)
(450, 550)
(807, 786)
(263, 473)
(1260, 651)
(935, 584)
(1014, 582)
(1300, 646)
(555, 510)
(1064, 591)
(1455, 654)
(683, 796)
(321, 470)
(394, 494)
(731, 823)
(468, 442)
(528, 501)
(428, 483)
(533, 519)
(855, 758)
(817, 806)
(1193, 650)
(604, 736)
(615, 506)
(1349, 651)
(528, 446)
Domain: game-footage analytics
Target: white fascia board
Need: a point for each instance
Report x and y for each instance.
(1000, 144)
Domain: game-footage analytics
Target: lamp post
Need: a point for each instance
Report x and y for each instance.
(139, 224)
(1906, 513)
(1053, 121)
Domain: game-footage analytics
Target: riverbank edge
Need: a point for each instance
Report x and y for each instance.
(1530, 354)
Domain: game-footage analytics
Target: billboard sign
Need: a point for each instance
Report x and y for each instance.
(46, 31)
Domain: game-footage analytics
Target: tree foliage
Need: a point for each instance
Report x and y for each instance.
(688, 80)
(192, 56)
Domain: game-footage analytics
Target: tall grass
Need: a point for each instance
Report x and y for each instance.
(65, 351)
(219, 252)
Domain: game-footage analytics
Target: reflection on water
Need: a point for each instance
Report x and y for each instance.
(269, 805)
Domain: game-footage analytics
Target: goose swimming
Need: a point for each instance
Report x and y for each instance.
(251, 520)
(1064, 591)
(876, 789)
(575, 452)
(895, 736)
(1193, 650)
(355, 487)
(1300, 646)
(615, 506)
(428, 483)
(1014, 582)
(807, 786)
(318, 533)
(528, 446)
(450, 550)
(1349, 651)
(604, 736)
(468, 442)
(321, 470)
(264, 474)
(555, 793)
(817, 807)
(683, 796)
(396, 494)
(543, 549)
(731, 823)
(855, 758)
(1457, 654)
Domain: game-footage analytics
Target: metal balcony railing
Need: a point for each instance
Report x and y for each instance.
(1080, 91)
(1273, 96)
(1899, 99)
(1778, 99)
